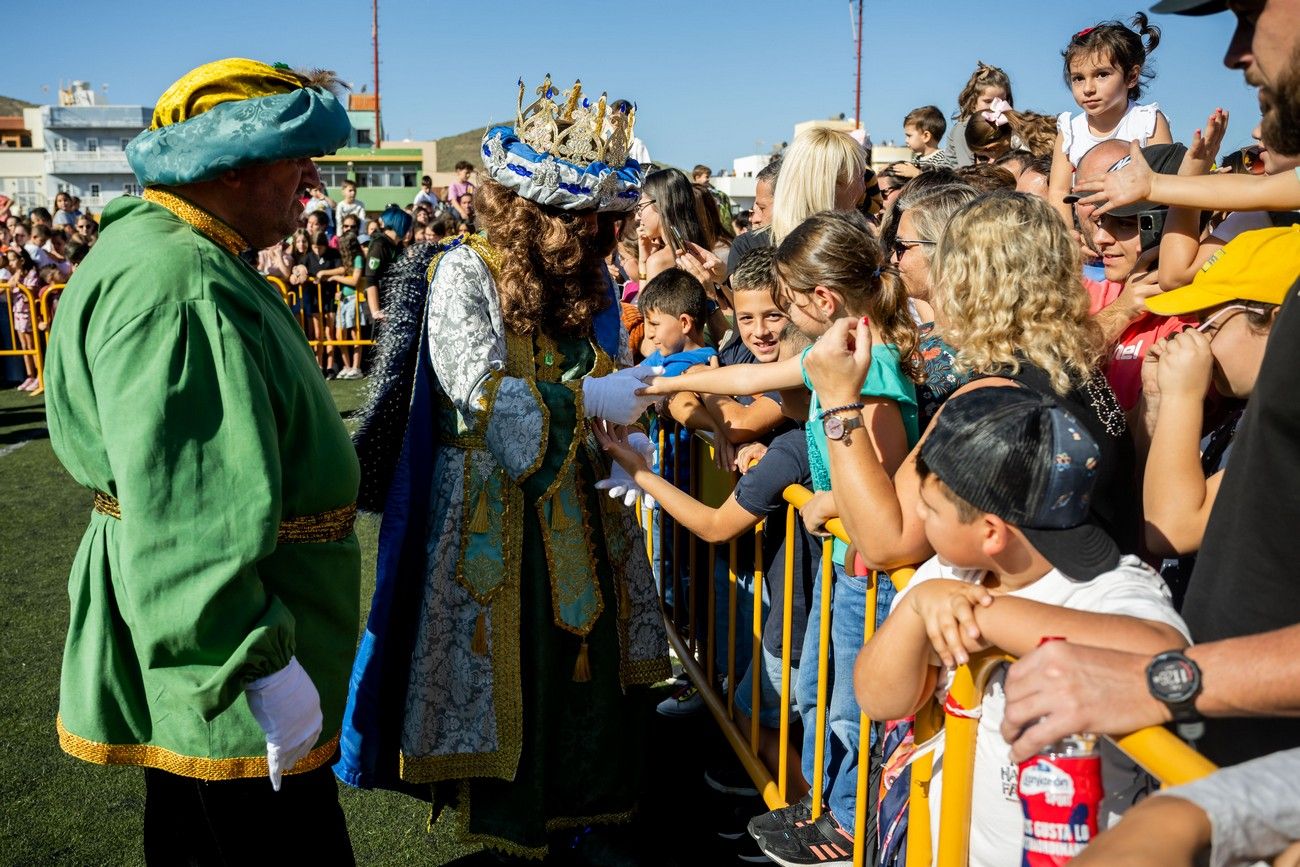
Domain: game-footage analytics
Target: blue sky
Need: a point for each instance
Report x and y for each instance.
(713, 79)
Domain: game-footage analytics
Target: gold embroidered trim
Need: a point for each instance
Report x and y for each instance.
(561, 476)
(148, 756)
(329, 526)
(213, 228)
(479, 244)
(642, 672)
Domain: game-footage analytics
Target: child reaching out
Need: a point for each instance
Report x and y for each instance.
(829, 269)
(1105, 67)
(1006, 475)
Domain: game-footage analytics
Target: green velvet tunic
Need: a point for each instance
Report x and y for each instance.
(180, 385)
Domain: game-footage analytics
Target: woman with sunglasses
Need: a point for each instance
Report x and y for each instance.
(911, 229)
(1235, 300)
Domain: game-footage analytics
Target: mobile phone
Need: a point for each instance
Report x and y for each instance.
(1151, 225)
(679, 244)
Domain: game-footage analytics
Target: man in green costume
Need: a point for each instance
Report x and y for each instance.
(214, 597)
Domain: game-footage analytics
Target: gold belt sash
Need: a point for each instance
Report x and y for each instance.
(330, 526)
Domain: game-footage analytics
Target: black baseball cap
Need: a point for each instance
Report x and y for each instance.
(1164, 159)
(1020, 455)
(1189, 7)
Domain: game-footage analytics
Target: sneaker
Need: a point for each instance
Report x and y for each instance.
(820, 843)
(777, 821)
(330, 373)
(350, 373)
(728, 777)
(748, 851)
(684, 702)
(28, 384)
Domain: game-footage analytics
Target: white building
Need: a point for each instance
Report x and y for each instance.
(78, 147)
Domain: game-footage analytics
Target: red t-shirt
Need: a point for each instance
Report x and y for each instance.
(1124, 365)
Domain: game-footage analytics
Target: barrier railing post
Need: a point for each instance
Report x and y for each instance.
(658, 555)
(966, 692)
(731, 626)
(864, 731)
(693, 488)
(756, 652)
(823, 673)
(787, 626)
(711, 628)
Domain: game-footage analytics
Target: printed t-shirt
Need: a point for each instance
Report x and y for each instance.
(1124, 364)
(885, 379)
(761, 492)
(1131, 589)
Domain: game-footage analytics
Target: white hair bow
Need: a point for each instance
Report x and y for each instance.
(997, 113)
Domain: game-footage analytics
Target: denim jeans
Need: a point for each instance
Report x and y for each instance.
(848, 611)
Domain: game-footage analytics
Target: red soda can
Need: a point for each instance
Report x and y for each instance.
(1060, 795)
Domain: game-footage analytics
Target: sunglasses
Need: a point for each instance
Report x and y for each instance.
(1232, 309)
(901, 245)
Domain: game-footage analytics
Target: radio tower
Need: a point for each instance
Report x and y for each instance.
(374, 38)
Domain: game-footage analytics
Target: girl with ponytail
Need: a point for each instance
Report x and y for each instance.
(1106, 67)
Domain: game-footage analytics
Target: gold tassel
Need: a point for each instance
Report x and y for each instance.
(478, 523)
(559, 522)
(624, 602)
(479, 644)
(582, 668)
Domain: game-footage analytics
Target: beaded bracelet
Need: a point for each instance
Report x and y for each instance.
(846, 407)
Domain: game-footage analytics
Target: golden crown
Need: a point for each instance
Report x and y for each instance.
(575, 130)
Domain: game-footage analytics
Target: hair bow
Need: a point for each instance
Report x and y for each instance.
(997, 113)
(1084, 32)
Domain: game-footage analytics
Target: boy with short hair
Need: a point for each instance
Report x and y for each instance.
(674, 304)
(1006, 481)
(350, 206)
(460, 187)
(923, 129)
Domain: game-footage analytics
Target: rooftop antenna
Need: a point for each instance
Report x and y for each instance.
(374, 36)
(857, 42)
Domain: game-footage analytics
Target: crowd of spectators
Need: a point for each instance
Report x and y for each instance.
(1046, 363)
(1041, 366)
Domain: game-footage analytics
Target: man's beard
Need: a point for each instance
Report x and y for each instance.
(1280, 106)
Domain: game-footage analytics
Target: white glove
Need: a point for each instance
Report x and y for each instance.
(287, 707)
(620, 484)
(613, 397)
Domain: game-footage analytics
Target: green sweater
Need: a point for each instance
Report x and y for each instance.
(180, 384)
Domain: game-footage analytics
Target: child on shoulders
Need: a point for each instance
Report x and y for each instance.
(1105, 68)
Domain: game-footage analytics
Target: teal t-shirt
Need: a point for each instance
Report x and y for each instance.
(885, 379)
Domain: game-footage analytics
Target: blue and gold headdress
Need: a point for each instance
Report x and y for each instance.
(571, 155)
(237, 112)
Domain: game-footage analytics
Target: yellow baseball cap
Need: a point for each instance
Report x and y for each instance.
(1260, 266)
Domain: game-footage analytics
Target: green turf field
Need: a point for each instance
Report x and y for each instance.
(57, 810)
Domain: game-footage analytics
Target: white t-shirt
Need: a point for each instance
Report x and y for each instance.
(1138, 124)
(1132, 589)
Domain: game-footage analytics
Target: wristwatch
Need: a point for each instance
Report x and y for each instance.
(838, 427)
(1175, 679)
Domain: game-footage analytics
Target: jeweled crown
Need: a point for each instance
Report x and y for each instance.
(575, 130)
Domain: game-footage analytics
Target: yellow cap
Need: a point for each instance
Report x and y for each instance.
(211, 84)
(1261, 266)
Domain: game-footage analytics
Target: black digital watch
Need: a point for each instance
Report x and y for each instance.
(1175, 679)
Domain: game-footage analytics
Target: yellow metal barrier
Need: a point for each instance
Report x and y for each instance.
(325, 333)
(1161, 753)
(16, 291)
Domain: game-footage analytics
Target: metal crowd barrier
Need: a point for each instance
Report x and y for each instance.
(326, 331)
(40, 307)
(1161, 753)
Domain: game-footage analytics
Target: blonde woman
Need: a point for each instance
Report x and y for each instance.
(824, 170)
(1007, 298)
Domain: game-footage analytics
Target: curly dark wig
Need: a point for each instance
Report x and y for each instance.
(552, 266)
